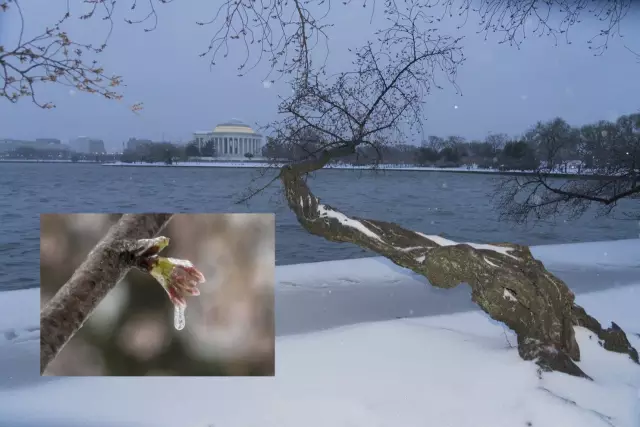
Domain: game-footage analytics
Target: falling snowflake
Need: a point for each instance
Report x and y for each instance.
(267, 84)
(455, 107)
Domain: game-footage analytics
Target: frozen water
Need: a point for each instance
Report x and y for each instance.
(179, 320)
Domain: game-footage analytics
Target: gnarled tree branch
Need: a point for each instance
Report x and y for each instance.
(506, 281)
(105, 266)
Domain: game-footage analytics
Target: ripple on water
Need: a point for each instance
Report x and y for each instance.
(6, 216)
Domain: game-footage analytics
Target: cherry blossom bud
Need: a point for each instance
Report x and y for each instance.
(178, 277)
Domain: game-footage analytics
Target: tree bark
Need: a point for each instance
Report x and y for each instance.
(104, 267)
(507, 282)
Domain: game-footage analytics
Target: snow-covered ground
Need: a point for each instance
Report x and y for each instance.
(256, 165)
(261, 165)
(398, 354)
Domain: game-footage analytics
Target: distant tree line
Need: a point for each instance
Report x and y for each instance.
(552, 145)
(156, 152)
(206, 150)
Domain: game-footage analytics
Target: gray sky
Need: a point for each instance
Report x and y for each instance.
(503, 89)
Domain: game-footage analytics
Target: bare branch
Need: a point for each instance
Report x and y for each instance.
(379, 100)
(518, 19)
(51, 57)
(610, 154)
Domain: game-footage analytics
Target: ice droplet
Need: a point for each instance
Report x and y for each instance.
(178, 317)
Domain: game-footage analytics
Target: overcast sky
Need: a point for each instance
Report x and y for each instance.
(503, 89)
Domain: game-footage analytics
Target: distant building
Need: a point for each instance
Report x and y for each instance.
(231, 140)
(48, 141)
(11, 144)
(39, 144)
(135, 143)
(88, 145)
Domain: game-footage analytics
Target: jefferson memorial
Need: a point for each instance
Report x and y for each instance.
(232, 139)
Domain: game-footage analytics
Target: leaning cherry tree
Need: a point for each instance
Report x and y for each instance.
(379, 101)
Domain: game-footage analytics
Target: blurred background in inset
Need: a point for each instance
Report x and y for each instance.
(229, 327)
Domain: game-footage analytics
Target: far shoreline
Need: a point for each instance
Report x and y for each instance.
(262, 165)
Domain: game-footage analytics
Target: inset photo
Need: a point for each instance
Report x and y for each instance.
(157, 294)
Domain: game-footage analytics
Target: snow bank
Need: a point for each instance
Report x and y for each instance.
(618, 255)
(254, 164)
(454, 370)
(610, 254)
(449, 370)
(18, 308)
(197, 164)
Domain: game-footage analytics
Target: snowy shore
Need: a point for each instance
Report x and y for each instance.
(383, 167)
(263, 165)
(399, 353)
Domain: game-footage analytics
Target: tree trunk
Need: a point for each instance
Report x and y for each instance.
(507, 282)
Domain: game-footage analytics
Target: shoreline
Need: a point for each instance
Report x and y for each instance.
(46, 161)
(368, 168)
(257, 165)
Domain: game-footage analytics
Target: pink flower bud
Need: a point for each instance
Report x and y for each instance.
(178, 277)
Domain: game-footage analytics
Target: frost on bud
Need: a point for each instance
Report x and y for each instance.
(180, 279)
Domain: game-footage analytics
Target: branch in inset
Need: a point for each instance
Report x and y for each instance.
(104, 267)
